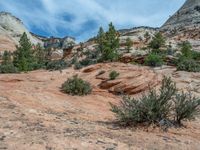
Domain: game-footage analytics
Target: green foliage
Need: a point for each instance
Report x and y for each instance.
(7, 65)
(108, 43)
(76, 86)
(129, 44)
(78, 66)
(40, 55)
(186, 107)
(113, 75)
(154, 60)
(23, 58)
(57, 65)
(101, 39)
(154, 107)
(189, 65)
(157, 42)
(186, 49)
(189, 59)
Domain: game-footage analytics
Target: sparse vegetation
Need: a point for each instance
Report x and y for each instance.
(57, 65)
(153, 107)
(188, 60)
(157, 42)
(154, 60)
(76, 86)
(7, 65)
(23, 57)
(189, 65)
(113, 75)
(108, 43)
(129, 44)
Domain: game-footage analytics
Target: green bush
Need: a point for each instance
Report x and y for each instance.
(77, 66)
(189, 65)
(76, 86)
(154, 60)
(186, 107)
(113, 75)
(7, 65)
(57, 65)
(8, 68)
(157, 42)
(155, 107)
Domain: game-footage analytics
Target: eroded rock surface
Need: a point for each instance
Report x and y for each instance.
(36, 115)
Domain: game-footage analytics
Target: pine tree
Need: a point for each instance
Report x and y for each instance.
(40, 55)
(6, 59)
(7, 64)
(101, 39)
(129, 44)
(157, 42)
(23, 58)
(111, 44)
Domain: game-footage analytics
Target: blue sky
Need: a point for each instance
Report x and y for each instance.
(82, 18)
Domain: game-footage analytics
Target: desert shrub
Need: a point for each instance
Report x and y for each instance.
(8, 68)
(196, 55)
(7, 65)
(113, 75)
(154, 107)
(77, 66)
(57, 65)
(186, 107)
(189, 65)
(76, 86)
(157, 42)
(154, 60)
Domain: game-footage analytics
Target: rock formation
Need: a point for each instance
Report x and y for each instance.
(185, 24)
(11, 29)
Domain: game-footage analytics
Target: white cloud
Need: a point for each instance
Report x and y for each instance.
(48, 15)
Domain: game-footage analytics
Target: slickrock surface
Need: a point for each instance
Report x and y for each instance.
(36, 115)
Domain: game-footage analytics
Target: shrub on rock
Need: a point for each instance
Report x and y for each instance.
(113, 75)
(57, 65)
(189, 65)
(154, 60)
(76, 86)
(153, 107)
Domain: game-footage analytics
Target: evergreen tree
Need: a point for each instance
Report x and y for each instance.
(23, 58)
(7, 64)
(111, 44)
(101, 39)
(40, 55)
(157, 42)
(6, 59)
(186, 49)
(129, 44)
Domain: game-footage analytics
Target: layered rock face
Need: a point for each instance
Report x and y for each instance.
(11, 29)
(185, 24)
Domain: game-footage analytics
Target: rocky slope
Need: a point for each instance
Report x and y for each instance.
(36, 115)
(185, 24)
(11, 29)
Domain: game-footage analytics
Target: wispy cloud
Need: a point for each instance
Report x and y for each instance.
(81, 18)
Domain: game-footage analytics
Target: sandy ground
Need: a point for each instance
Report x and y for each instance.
(36, 115)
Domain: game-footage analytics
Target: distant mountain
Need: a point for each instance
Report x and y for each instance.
(185, 24)
(11, 29)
